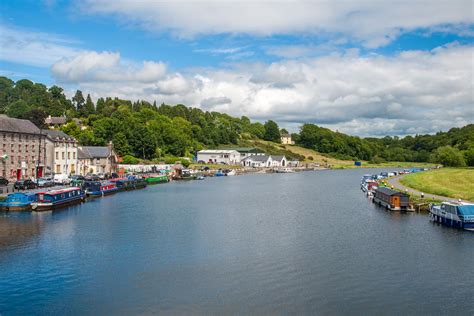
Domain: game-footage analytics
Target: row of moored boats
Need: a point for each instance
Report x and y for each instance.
(452, 213)
(52, 199)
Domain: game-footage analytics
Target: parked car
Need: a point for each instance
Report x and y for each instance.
(61, 179)
(92, 177)
(25, 185)
(3, 181)
(45, 182)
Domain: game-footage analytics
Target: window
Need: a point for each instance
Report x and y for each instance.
(4, 136)
(57, 155)
(58, 168)
(73, 155)
(12, 148)
(19, 137)
(19, 147)
(68, 155)
(26, 148)
(12, 137)
(63, 155)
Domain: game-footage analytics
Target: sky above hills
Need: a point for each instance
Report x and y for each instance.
(366, 68)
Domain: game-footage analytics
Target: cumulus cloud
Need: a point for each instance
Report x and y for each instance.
(411, 92)
(373, 23)
(32, 48)
(105, 66)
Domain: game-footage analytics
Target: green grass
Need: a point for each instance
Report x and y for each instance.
(451, 182)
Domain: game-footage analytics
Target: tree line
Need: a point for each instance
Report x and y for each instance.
(144, 130)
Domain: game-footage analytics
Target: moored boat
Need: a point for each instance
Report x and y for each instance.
(154, 179)
(392, 200)
(53, 199)
(129, 183)
(284, 170)
(98, 188)
(18, 202)
(454, 214)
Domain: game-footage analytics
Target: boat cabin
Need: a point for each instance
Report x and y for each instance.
(391, 199)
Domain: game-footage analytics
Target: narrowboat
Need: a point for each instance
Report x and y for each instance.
(129, 183)
(219, 173)
(157, 179)
(98, 188)
(454, 214)
(392, 200)
(18, 202)
(53, 199)
(185, 174)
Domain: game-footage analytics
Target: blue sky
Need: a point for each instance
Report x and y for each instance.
(356, 67)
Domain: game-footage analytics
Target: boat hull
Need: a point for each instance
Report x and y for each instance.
(49, 206)
(16, 207)
(156, 180)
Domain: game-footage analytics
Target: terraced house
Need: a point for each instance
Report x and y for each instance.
(22, 149)
(97, 159)
(61, 153)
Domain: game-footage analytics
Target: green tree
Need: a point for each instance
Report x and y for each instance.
(272, 132)
(448, 156)
(89, 107)
(121, 145)
(18, 109)
(469, 157)
(78, 100)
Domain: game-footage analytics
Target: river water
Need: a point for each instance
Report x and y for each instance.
(306, 243)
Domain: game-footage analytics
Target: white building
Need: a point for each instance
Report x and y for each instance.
(97, 159)
(263, 161)
(61, 153)
(286, 139)
(230, 157)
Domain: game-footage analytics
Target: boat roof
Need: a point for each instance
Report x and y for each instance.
(390, 192)
(60, 191)
(467, 209)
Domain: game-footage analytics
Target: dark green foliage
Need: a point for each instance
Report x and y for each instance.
(448, 156)
(469, 157)
(272, 132)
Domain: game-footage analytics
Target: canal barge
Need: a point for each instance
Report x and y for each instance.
(392, 200)
(454, 214)
(53, 199)
(18, 202)
(129, 183)
(98, 188)
(155, 179)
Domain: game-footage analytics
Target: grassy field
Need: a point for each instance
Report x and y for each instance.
(451, 182)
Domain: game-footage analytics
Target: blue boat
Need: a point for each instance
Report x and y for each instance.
(97, 188)
(57, 198)
(18, 202)
(454, 214)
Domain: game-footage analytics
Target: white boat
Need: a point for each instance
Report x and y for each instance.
(454, 214)
(284, 170)
(231, 173)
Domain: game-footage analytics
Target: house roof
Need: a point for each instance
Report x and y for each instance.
(55, 120)
(260, 158)
(217, 151)
(285, 135)
(13, 125)
(279, 158)
(57, 135)
(390, 192)
(248, 150)
(87, 152)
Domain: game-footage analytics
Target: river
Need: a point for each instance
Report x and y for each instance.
(305, 243)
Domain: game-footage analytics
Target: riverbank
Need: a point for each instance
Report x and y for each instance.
(446, 183)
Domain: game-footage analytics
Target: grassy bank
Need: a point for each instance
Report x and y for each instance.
(451, 182)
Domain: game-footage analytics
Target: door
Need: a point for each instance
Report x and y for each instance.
(18, 174)
(396, 201)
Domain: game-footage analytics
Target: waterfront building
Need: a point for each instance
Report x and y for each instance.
(249, 151)
(286, 139)
(229, 157)
(97, 159)
(261, 161)
(22, 149)
(61, 153)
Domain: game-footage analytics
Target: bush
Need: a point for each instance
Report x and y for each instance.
(130, 160)
(469, 157)
(448, 156)
(310, 158)
(377, 160)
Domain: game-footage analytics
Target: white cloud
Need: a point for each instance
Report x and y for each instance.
(412, 92)
(374, 23)
(34, 48)
(105, 66)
